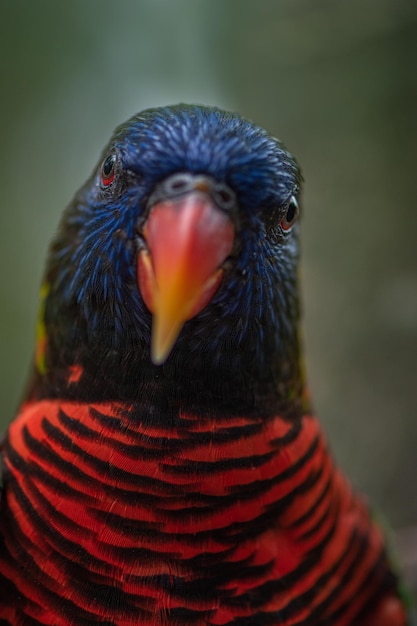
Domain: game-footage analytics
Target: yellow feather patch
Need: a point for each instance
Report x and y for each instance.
(41, 337)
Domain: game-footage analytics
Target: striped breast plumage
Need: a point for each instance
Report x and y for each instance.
(111, 520)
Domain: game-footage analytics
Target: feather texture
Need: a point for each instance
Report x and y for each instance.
(244, 521)
(198, 491)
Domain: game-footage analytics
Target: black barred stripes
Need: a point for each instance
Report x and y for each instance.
(309, 514)
(330, 512)
(64, 548)
(223, 465)
(220, 435)
(45, 589)
(292, 471)
(344, 580)
(243, 528)
(104, 468)
(287, 613)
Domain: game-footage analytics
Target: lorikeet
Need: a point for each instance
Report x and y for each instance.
(166, 467)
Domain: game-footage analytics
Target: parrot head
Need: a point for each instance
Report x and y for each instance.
(176, 266)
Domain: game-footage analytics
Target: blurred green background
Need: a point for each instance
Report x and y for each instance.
(337, 82)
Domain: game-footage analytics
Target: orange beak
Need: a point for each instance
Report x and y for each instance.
(188, 238)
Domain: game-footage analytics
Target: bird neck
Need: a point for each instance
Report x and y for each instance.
(259, 373)
(230, 386)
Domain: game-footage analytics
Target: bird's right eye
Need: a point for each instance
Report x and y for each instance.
(290, 216)
(108, 170)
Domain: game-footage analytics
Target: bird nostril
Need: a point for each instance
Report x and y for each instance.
(224, 196)
(179, 183)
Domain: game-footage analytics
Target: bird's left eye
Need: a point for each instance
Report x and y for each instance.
(108, 170)
(290, 216)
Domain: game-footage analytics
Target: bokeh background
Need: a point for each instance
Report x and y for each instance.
(337, 82)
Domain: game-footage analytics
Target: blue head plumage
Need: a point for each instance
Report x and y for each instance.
(244, 343)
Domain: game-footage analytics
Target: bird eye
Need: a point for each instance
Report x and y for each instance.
(108, 170)
(290, 216)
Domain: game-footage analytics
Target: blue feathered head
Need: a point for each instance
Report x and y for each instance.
(176, 265)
